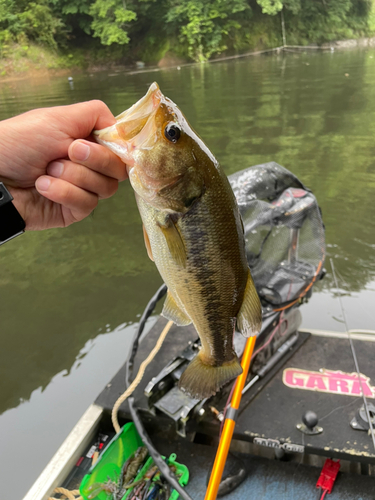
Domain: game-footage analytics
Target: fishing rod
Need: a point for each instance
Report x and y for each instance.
(230, 423)
(354, 356)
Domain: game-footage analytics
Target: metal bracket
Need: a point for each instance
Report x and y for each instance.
(360, 421)
(308, 431)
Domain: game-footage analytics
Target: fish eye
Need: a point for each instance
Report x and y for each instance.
(172, 132)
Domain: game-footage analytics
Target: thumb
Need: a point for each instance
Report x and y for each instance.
(79, 120)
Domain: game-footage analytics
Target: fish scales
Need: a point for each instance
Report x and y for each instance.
(215, 267)
(193, 231)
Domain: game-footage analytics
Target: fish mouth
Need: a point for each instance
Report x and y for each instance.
(134, 128)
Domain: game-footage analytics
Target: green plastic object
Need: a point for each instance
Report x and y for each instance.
(110, 462)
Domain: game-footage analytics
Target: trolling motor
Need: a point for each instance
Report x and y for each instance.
(285, 247)
(290, 210)
(284, 232)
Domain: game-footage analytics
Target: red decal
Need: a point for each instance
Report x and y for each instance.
(334, 382)
(316, 383)
(337, 385)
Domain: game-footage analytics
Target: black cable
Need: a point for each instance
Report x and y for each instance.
(163, 467)
(146, 314)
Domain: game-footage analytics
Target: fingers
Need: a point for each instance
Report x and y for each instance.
(97, 158)
(79, 202)
(91, 173)
(83, 177)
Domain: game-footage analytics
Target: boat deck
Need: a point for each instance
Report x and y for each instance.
(271, 409)
(269, 414)
(267, 479)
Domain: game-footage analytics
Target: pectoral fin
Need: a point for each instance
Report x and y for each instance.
(147, 243)
(175, 244)
(173, 312)
(249, 317)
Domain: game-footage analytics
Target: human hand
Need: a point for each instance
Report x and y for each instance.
(55, 179)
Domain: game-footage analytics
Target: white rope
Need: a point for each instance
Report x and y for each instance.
(70, 495)
(139, 376)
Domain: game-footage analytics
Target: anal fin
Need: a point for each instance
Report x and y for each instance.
(249, 317)
(173, 312)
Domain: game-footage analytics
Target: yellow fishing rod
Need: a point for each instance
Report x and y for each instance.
(230, 423)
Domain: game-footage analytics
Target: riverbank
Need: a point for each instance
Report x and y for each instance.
(25, 61)
(20, 62)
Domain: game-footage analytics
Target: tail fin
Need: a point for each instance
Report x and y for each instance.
(201, 380)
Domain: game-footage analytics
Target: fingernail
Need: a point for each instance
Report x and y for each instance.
(81, 151)
(43, 183)
(55, 168)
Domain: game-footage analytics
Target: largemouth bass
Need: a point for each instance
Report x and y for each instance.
(192, 230)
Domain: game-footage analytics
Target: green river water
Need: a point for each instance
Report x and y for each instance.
(70, 299)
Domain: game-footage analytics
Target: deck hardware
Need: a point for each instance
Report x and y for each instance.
(309, 424)
(360, 421)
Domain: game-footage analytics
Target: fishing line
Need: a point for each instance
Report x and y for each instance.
(338, 408)
(298, 464)
(354, 356)
(364, 309)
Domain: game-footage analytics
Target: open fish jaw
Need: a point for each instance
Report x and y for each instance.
(133, 128)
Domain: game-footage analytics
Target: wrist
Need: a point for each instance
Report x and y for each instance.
(11, 222)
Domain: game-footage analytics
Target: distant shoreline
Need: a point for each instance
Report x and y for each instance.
(30, 69)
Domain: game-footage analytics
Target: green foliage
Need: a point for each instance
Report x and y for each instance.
(193, 29)
(205, 26)
(371, 18)
(111, 19)
(273, 7)
(270, 7)
(33, 20)
(326, 20)
(39, 24)
(75, 13)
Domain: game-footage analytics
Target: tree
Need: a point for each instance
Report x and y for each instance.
(204, 26)
(270, 7)
(111, 19)
(31, 20)
(76, 13)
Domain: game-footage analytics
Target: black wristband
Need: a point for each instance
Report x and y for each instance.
(11, 223)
